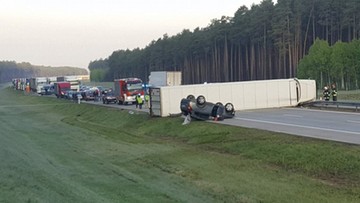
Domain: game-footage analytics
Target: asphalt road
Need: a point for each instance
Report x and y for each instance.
(321, 124)
(329, 125)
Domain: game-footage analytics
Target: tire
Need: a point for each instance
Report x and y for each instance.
(200, 100)
(219, 104)
(191, 97)
(229, 107)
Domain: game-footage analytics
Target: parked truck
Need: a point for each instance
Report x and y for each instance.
(164, 78)
(60, 88)
(126, 89)
(74, 82)
(37, 83)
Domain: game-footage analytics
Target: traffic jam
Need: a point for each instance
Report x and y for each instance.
(125, 91)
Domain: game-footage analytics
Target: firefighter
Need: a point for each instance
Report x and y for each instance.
(326, 93)
(136, 101)
(334, 92)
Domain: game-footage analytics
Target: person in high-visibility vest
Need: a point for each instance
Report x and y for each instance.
(147, 101)
(139, 101)
(27, 88)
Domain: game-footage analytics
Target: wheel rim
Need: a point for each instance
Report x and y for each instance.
(229, 107)
(201, 100)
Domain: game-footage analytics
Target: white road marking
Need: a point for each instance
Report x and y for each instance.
(350, 121)
(299, 126)
(292, 115)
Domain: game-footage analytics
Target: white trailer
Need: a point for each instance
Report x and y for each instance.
(74, 82)
(51, 80)
(243, 95)
(164, 78)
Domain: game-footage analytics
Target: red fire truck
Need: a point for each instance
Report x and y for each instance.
(126, 89)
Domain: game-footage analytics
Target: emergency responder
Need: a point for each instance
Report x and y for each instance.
(136, 101)
(334, 92)
(139, 101)
(326, 93)
(147, 100)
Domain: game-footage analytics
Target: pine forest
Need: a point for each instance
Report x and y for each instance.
(266, 41)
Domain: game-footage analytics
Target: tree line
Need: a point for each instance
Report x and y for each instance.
(266, 41)
(339, 64)
(11, 69)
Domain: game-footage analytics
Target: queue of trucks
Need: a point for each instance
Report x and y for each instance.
(124, 90)
(46, 85)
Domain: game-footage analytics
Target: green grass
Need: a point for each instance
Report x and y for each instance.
(58, 151)
(351, 95)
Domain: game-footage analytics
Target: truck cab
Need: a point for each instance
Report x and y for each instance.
(126, 89)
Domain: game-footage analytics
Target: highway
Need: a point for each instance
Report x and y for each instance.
(321, 124)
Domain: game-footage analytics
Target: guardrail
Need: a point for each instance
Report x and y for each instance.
(334, 104)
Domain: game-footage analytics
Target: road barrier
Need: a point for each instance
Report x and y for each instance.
(334, 104)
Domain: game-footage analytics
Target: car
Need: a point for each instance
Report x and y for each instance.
(88, 95)
(47, 89)
(109, 97)
(200, 109)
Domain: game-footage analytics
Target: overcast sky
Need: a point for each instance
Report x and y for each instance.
(74, 32)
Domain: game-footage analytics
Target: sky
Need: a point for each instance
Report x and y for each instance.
(75, 32)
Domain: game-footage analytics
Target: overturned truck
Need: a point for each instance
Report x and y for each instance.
(242, 95)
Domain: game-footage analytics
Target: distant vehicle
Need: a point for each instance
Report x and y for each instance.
(37, 83)
(164, 78)
(109, 97)
(200, 109)
(70, 94)
(60, 89)
(47, 89)
(126, 89)
(88, 95)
